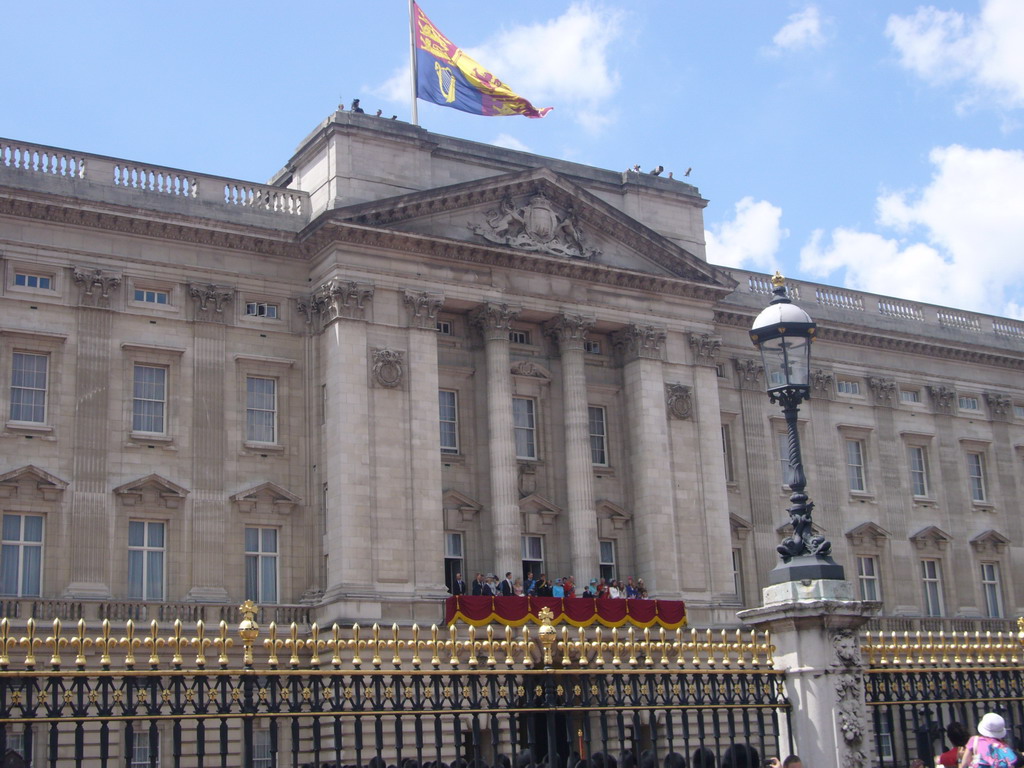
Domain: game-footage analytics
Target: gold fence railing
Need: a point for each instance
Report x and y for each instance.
(56, 644)
(929, 649)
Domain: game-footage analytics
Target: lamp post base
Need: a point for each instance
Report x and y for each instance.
(804, 567)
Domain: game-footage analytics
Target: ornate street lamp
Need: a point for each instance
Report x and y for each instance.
(783, 333)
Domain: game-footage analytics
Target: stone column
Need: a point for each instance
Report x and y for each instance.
(570, 331)
(650, 466)
(817, 645)
(495, 321)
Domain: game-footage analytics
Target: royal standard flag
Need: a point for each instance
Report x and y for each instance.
(445, 75)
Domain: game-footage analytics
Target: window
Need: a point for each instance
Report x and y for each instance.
(533, 555)
(782, 445)
(28, 387)
(598, 436)
(262, 752)
(525, 425)
(149, 399)
(261, 565)
(449, 420)
(867, 578)
(968, 403)
(33, 280)
(737, 572)
(992, 590)
(847, 387)
(883, 735)
(152, 297)
(931, 582)
(976, 476)
(145, 560)
(592, 347)
(776, 378)
(607, 560)
(917, 460)
(261, 410)
(444, 327)
(727, 453)
(855, 465)
(141, 751)
(1018, 411)
(453, 556)
(910, 395)
(16, 739)
(519, 337)
(21, 555)
(261, 309)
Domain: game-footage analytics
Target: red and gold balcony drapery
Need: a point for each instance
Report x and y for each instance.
(577, 611)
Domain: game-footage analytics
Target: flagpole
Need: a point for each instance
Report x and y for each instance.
(412, 62)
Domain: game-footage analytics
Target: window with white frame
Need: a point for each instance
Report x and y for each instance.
(976, 475)
(737, 572)
(444, 327)
(149, 399)
(519, 336)
(261, 309)
(260, 409)
(776, 378)
(867, 578)
(25, 279)
(847, 386)
(931, 584)
(151, 296)
(992, 590)
(782, 447)
(533, 555)
(883, 737)
(146, 549)
(16, 739)
(592, 347)
(21, 555)
(910, 395)
(606, 564)
(1018, 411)
(142, 753)
(28, 387)
(262, 753)
(261, 552)
(730, 475)
(448, 419)
(856, 475)
(597, 417)
(968, 403)
(454, 554)
(524, 419)
(917, 462)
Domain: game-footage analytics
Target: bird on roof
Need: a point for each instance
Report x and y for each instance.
(380, 112)
(657, 171)
(687, 171)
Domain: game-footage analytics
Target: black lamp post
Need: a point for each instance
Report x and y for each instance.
(783, 333)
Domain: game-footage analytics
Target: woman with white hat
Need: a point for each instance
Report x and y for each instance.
(988, 747)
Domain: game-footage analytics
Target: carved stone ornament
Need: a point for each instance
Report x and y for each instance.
(884, 390)
(528, 368)
(679, 399)
(943, 398)
(535, 226)
(823, 382)
(388, 367)
(95, 286)
(495, 319)
(999, 405)
(423, 308)
(748, 373)
(639, 341)
(569, 331)
(340, 299)
(851, 715)
(705, 348)
(210, 297)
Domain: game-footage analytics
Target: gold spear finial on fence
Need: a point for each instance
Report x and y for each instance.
(547, 634)
(248, 629)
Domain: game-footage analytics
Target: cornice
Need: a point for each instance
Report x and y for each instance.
(863, 338)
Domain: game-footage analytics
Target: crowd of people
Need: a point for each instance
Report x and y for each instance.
(490, 586)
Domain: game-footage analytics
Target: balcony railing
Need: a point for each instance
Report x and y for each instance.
(125, 610)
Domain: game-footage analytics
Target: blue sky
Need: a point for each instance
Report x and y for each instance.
(876, 145)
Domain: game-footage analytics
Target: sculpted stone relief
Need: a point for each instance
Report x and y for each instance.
(535, 226)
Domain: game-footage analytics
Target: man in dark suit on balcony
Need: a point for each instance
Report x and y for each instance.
(458, 586)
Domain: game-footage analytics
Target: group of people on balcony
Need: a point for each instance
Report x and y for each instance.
(488, 585)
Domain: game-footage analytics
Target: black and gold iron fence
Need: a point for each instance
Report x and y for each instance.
(918, 683)
(275, 696)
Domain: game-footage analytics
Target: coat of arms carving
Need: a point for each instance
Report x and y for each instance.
(536, 226)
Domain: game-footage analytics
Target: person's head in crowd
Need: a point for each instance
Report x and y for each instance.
(703, 758)
(524, 758)
(793, 761)
(647, 759)
(627, 760)
(741, 756)
(602, 760)
(957, 734)
(502, 761)
(675, 760)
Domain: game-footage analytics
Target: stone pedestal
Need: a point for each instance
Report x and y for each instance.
(817, 644)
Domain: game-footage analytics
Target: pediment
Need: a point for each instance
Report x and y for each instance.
(457, 503)
(610, 513)
(990, 541)
(786, 529)
(537, 213)
(535, 504)
(868, 533)
(741, 528)
(151, 489)
(49, 486)
(270, 495)
(931, 537)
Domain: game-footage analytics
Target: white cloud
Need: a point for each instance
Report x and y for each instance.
(802, 30)
(751, 240)
(957, 240)
(510, 142)
(945, 46)
(564, 63)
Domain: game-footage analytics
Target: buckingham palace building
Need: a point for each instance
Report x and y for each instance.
(410, 355)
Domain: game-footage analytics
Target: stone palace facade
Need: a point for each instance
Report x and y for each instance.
(411, 354)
